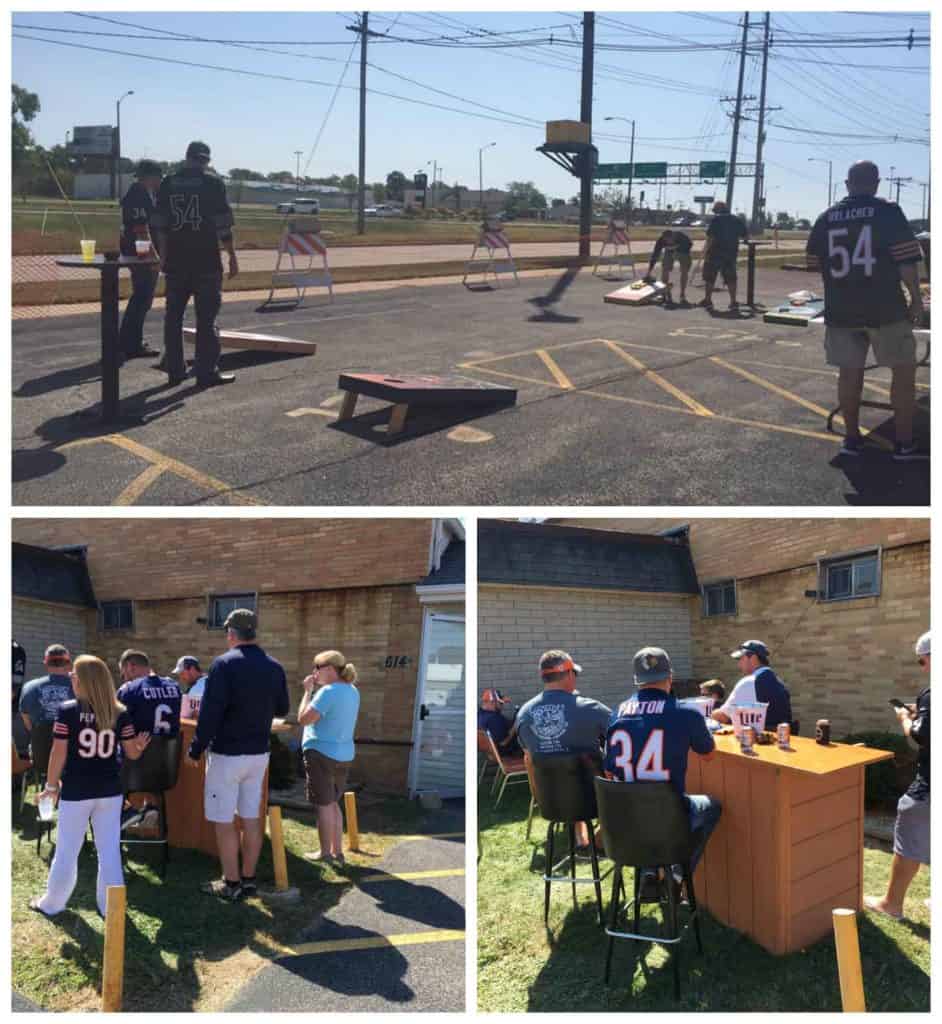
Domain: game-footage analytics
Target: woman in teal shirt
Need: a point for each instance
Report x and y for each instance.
(329, 717)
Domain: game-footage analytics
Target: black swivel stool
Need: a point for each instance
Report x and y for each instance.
(155, 771)
(563, 792)
(40, 746)
(647, 825)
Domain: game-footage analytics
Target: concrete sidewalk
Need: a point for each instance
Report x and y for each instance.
(393, 943)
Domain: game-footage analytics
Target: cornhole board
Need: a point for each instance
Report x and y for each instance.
(638, 293)
(802, 315)
(248, 341)
(407, 390)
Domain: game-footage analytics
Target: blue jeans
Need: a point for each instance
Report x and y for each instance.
(131, 335)
(705, 814)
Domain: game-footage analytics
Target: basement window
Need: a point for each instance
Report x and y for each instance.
(221, 604)
(719, 598)
(116, 615)
(850, 576)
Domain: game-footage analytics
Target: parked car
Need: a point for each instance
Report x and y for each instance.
(504, 215)
(299, 205)
(382, 210)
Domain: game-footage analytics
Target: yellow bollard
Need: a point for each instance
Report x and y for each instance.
(278, 847)
(848, 961)
(112, 979)
(353, 828)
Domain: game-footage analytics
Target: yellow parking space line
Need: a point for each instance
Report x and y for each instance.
(139, 485)
(307, 411)
(876, 387)
(508, 376)
(656, 378)
(408, 876)
(376, 942)
(431, 835)
(532, 351)
(554, 368)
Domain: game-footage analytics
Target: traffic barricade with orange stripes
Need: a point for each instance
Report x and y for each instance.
(301, 264)
(493, 242)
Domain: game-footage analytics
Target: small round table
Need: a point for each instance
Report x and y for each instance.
(110, 354)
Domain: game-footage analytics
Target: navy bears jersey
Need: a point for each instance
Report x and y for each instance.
(137, 208)
(153, 702)
(193, 210)
(92, 769)
(649, 737)
(858, 245)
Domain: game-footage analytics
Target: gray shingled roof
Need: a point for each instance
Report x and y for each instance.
(451, 571)
(57, 576)
(567, 556)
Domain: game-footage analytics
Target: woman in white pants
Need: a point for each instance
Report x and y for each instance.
(84, 778)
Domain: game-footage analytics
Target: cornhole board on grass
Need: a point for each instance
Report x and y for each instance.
(796, 316)
(638, 293)
(407, 390)
(249, 341)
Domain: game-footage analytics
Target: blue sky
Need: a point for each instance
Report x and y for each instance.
(673, 97)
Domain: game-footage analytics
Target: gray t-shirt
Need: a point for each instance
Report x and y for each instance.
(557, 722)
(40, 698)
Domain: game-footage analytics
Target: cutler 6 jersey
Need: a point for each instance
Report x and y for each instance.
(92, 769)
(858, 245)
(153, 702)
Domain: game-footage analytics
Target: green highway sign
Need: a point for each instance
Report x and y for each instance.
(613, 171)
(651, 170)
(712, 168)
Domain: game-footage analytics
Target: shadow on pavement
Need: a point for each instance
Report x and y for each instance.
(419, 903)
(371, 426)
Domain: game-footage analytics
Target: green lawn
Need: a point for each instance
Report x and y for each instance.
(184, 950)
(522, 967)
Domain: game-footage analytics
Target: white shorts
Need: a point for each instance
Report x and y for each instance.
(233, 786)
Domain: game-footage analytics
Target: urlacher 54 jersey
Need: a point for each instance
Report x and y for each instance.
(92, 769)
(193, 209)
(649, 737)
(858, 245)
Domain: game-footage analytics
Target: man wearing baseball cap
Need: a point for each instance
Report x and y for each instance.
(911, 833)
(491, 720)
(245, 690)
(192, 681)
(758, 685)
(650, 737)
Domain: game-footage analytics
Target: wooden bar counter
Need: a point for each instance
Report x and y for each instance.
(789, 846)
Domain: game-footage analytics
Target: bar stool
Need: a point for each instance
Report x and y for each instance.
(647, 825)
(155, 771)
(563, 792)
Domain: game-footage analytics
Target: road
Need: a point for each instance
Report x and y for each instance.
(615, 406)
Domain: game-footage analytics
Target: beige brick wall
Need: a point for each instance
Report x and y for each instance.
(601, 629)
(746, 547)
(37, 624)
(184, 557)
(841, 660)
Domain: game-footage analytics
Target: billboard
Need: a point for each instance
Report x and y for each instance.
(658, 170)
(92, 140)
(712, 168)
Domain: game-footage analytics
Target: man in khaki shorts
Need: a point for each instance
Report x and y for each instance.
(245, 690)
(863, 247)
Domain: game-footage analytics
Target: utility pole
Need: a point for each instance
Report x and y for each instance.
(585, 115)
(297, 176)
(363, 27)
(759, 185)
(731, 179)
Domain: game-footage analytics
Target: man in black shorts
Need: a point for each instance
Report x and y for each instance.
(722, 246)
(193, 219)
(137, 208)
(864, 247)
(673, 245)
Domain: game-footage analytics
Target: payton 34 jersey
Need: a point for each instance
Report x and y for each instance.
(857, 245)
(153, 702)
(137, 208)
(92, 768)
(649, 737)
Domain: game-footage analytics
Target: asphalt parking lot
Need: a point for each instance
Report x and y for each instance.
(616, 405)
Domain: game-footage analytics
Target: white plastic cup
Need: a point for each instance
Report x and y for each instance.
(88, 249)
(142, 247)
(47, 806)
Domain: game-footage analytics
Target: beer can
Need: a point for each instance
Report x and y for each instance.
(747, 739)
(822, 731)
(784, 735)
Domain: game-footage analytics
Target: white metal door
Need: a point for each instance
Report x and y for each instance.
(438, 751)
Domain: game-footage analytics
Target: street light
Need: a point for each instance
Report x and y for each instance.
(116, 185)
(830, 163)
(481, 175)
(297, 176)
(631, 158)
(435, 172)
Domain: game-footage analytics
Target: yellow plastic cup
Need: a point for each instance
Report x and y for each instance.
(88, 249)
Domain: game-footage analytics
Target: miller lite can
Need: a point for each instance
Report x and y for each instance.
(747, 739)
(784, 735)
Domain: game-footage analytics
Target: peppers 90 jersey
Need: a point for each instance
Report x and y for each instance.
(857, 245)
(649, 738)
(92, 768)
